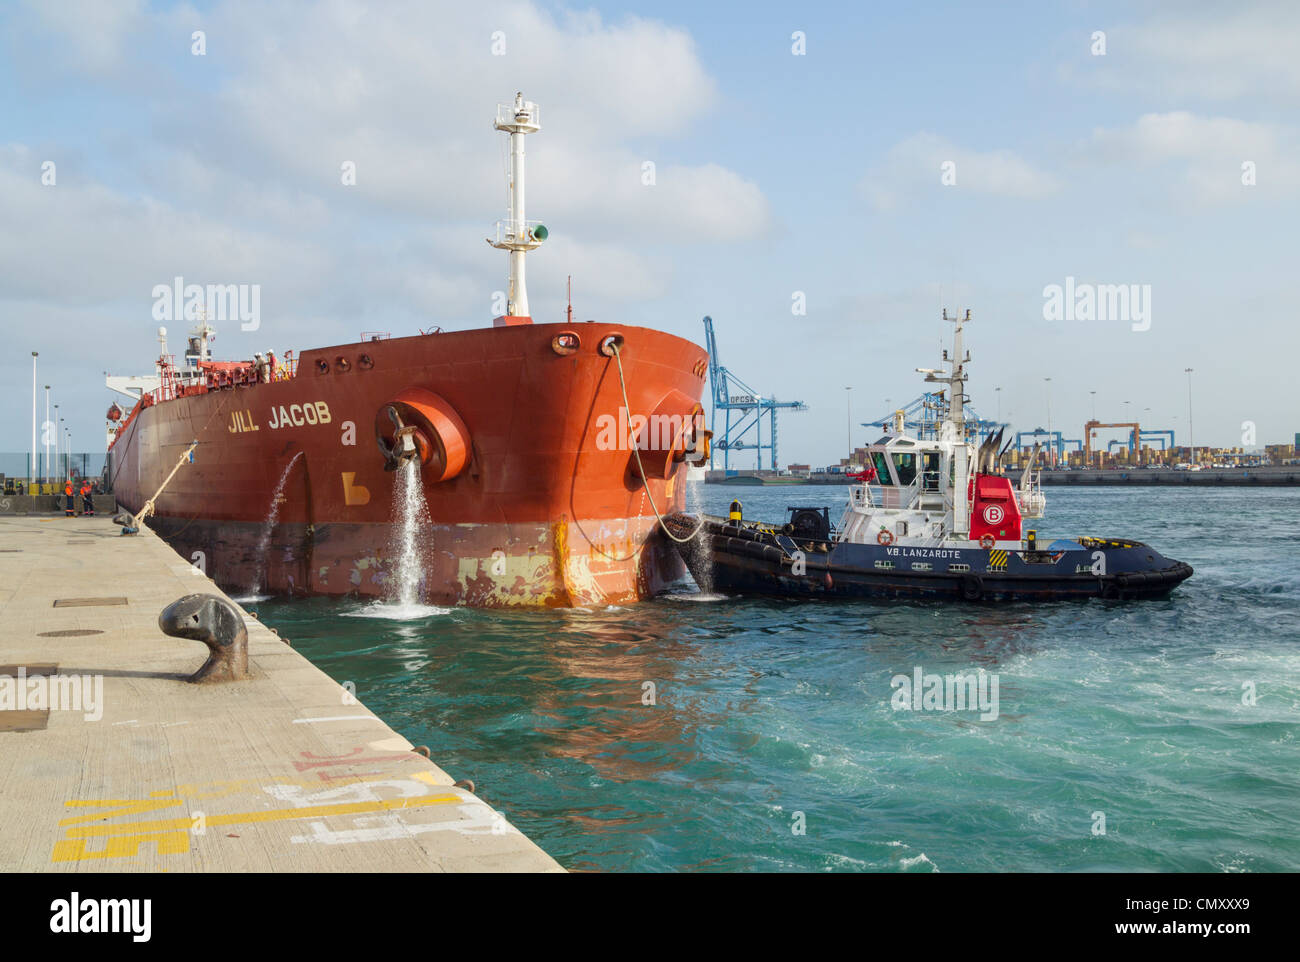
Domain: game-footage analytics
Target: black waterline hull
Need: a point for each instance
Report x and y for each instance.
(757, 559)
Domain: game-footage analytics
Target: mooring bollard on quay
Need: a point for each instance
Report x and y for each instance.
(217, 623)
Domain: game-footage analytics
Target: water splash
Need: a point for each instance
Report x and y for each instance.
(268, 528)
(697, 547)
(409, 545)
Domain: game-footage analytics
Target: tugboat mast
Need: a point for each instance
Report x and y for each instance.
(956, 381)
(516, 235)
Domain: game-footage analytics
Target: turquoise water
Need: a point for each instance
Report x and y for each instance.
(766, 709)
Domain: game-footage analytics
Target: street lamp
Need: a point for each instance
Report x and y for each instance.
(31, 474)
(848, 420)
(46, 433)
(54, 426)
(1048, 382)
(1191, 438)
(1133, 440)
(1094, 404)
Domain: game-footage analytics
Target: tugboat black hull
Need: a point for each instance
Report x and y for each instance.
(755, 559)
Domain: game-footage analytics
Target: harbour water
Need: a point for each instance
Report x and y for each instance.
(769, 717)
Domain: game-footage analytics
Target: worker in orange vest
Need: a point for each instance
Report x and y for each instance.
(67, 494)
(87, 499)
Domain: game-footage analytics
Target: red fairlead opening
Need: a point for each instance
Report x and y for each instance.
(419, 423)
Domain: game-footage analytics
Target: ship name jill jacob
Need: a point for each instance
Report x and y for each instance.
(296, 415)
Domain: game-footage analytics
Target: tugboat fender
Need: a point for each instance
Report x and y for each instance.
(972, 588)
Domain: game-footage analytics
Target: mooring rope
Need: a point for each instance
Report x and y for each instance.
(636, 450)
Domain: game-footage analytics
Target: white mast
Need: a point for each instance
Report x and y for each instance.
(516, 235)
(956, 380)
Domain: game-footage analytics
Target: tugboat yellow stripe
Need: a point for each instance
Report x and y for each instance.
(997, 559)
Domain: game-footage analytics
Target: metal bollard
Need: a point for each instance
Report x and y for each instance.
(215, 622)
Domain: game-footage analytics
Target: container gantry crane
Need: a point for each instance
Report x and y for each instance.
(743, 411)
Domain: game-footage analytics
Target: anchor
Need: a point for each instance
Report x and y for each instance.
(404, 446)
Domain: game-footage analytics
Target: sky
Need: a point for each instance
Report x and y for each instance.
(873, 162)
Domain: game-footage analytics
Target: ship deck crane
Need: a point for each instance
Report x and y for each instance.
(744, 410)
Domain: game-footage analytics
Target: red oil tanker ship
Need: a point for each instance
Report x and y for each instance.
(543, 486)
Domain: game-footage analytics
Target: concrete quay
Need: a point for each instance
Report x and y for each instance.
(110, 760)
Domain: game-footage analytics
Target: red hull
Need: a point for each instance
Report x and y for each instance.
(544, 511)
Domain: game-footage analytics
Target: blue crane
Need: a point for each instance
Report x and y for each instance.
(923, 415)
(1055, 440)
(747, 406)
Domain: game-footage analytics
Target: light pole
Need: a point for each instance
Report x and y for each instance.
(54, 426)
(1191, 437)
(32, 471)
(1133, 440)
(1094, 404)
(848, 420)
(997, 391)
(1050, 447)
(46, 435)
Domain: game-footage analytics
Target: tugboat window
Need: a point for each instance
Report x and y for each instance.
(906, 465)
(930, 471)
(882, 468)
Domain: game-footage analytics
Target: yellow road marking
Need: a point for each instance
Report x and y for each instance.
(271, 815)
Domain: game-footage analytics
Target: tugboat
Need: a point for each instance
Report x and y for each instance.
(930, 516)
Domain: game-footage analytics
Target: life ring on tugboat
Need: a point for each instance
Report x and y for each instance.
(885, 537)
(987, 541)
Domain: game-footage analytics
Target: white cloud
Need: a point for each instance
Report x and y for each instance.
(241, 180)
(916, 164)
(1242, 50)
(81, 243)
(94, 31)
(1205, 153)
(407, 91)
